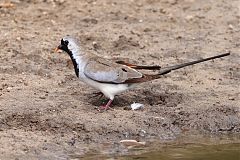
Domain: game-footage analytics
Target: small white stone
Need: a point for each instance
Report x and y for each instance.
(230, 26)
(137, 106)
(189, 17)
(19, 38)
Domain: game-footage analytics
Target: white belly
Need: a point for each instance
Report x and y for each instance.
(109, 90)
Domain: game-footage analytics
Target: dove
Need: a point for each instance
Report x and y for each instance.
(113, 77)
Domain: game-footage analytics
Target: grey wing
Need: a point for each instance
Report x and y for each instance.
(102, 70)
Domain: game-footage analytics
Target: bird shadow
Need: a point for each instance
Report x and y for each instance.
(146, 97)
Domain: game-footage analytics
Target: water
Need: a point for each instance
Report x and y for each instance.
(184, 148)
(192, 152)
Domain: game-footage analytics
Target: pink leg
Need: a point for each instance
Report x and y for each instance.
(106, 107)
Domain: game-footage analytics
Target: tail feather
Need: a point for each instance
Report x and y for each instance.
(167, 70)
(175, 67)
(139, 67)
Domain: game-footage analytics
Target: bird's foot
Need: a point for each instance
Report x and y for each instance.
(105, 107)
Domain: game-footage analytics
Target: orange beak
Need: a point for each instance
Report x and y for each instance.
(56, 49)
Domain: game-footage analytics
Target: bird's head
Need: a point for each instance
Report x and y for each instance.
(68, 44)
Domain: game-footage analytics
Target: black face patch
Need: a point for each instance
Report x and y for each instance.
(64, 46)
(65, 43)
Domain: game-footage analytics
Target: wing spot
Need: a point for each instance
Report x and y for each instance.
(124, 69)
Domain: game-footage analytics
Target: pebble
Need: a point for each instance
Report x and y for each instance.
(137, 106)
(42, 97)
(230, 26)
(19, 38)
(231, 98)
(189, 17)
(96, 45)
(132, 143)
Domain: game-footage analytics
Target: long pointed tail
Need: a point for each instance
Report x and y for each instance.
(166, 70)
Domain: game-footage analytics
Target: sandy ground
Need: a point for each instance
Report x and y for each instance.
(45, 111)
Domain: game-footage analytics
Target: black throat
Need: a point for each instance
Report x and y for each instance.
(74, 62)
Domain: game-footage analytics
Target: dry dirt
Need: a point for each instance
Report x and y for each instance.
(46, 112)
